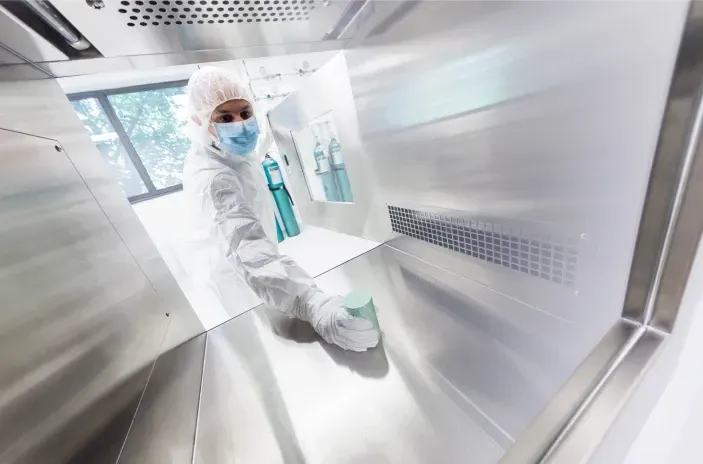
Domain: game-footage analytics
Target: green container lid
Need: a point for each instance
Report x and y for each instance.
(360, 304)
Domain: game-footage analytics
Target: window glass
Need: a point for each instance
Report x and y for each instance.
(155, 121)
(108, 143)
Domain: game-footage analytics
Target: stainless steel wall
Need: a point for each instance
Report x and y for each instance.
(537, 116)
(540, 117)
(83, 291)
(41, 108)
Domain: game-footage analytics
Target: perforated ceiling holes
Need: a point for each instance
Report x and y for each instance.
(184, 12)
(545, 256)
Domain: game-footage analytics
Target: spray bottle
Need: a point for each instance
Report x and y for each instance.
(324, 170)
(338, 168)
(319, 151)
(281, 196)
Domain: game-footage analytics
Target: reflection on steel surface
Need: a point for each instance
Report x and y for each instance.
(79, 321)
(540, 112)
(462, 370)
(164, 426)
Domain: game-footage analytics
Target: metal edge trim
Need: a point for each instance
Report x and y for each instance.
(200, 400)
(587, 402)
(551, 425)
(589, 425)
(689, 156)
(669, 178)
(555, 437)
(146, 385)
(155, 194)
(129, 89)
(26, 60)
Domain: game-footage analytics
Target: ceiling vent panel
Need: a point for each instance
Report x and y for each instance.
(144, 27)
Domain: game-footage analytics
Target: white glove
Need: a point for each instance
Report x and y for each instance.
(335, 325)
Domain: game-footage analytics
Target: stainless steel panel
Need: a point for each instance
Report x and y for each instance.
(671, 224)
(541, 112)
(108, 421)
(164, 426)
(79, 318)
(664, 287)
(17, 36)
(462, 370)
(40, 107)
(555, 266)
(328, 90)
(170, 26)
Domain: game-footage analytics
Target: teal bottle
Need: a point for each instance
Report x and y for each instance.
(283, 200)
(324, 171)
(318, 153)
(340, 172)
(279, 232)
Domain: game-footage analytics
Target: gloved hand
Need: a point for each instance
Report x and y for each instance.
(335, 325)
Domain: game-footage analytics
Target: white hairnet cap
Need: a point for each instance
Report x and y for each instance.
(208, 88)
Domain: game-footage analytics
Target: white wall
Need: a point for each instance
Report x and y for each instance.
(315, 250)
(277, 75)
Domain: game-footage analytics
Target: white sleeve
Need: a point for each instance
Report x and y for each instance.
(275, 278)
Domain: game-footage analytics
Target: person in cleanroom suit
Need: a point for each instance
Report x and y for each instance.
(225, 186)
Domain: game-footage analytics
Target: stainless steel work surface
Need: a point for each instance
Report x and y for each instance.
(460, 373)
(163, 429)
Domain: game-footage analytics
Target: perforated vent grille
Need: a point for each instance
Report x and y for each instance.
(545, 256)
(182, 12)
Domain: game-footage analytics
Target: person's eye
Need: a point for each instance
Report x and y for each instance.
(246, 114)
(226, 118)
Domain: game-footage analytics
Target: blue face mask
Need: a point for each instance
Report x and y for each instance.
(238, 137)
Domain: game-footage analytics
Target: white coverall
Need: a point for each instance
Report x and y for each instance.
(234, 218)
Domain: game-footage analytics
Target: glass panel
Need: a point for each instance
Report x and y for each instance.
(155, 121)
(108, 143)
(321, 153)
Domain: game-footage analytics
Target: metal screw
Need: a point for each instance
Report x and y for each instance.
(97, 4)
(58, 148)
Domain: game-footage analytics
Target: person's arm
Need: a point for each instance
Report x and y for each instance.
(276, 278)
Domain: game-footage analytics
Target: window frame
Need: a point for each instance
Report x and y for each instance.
(102, 98)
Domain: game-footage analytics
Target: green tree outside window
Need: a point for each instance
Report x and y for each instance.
(154, 121)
